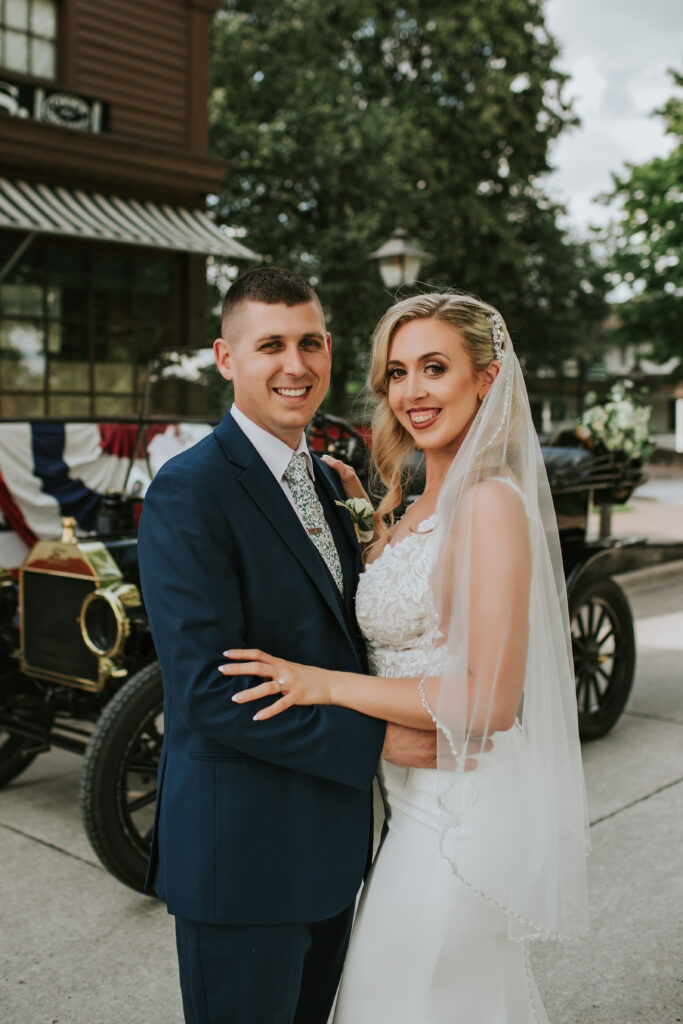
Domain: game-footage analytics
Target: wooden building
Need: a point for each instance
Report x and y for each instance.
(104, 172)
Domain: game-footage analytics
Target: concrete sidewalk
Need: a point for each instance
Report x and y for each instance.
(630, 967)
(79, 948)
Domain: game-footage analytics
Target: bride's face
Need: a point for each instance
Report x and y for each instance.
(432, 388)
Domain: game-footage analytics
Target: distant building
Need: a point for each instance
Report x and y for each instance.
(558, 398)
(104, 171)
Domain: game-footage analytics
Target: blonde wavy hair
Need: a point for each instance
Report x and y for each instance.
(392, 445)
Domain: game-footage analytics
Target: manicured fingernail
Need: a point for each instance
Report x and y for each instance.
(237, 697)
(257, 717)
(227, 654)
(326, 458)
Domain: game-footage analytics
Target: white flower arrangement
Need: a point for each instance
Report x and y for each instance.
(620, 425)
(361, 512)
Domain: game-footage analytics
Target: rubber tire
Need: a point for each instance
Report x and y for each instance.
(15, 756)
(596, 724)
(103, 818)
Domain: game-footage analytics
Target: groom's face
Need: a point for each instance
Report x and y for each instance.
(278, 359)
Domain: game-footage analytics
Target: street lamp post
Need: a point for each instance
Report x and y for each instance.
(399, 260)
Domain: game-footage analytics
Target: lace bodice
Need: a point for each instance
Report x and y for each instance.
(394, 606)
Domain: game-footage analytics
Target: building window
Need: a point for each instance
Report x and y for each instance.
(79, 324)
(28, 37)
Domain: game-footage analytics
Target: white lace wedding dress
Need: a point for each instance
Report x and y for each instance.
(425, 948)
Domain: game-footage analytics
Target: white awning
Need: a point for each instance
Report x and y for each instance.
(47, 209)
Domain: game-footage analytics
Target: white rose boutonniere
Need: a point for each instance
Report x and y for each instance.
(361, 512)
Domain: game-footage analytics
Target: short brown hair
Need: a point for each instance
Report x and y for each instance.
(271, 286)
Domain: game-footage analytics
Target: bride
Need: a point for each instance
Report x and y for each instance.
(462, 605)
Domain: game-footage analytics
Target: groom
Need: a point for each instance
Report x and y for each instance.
(263, 829)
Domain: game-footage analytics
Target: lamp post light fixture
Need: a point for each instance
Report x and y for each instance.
(399, 260)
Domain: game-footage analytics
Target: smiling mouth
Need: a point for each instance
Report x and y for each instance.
(292, 393)
(421, 418)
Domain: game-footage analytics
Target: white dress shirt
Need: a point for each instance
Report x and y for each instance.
(275, 453)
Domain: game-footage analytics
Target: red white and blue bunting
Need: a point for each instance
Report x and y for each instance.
(50, 470)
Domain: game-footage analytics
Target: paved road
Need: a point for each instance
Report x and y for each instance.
(78, 948)
(630, 968)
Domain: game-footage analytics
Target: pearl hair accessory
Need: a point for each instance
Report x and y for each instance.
(498, 334)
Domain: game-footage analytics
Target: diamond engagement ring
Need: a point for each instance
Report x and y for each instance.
(281, 684)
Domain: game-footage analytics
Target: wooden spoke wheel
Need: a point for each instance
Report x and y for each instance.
(603, 645)
(119, 777)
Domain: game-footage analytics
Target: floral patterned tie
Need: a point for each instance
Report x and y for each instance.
(312, 515)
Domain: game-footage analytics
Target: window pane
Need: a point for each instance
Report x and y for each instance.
(9, 239)
(44, 18)
(113, 285)
(150, 341)
(43, 58)
(113, 377)
(69, 366)
(141, 371)
(74, 342)
(68, 406)
(113, 309)
(29, 268)
(22, 407)
(113, 358)
(21, 353)
(16, 13)
(21, 299)
(153, 309)
(113, 273)
(68, 266)
(54, 302)
(69, 376)
(54, 338)
(112, 406)
(174, 397)
(16, 51)
(68, 278)
(153, 277)
(113, 344)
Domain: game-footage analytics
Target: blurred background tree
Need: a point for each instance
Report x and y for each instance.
(344, 120)
(646, 246)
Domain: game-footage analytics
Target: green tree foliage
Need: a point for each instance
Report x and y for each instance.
(343, 120)
(647, 243)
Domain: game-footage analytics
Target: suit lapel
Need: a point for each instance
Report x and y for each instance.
(349, 549)
(264, 490)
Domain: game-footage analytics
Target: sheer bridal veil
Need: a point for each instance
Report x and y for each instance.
(513, 773)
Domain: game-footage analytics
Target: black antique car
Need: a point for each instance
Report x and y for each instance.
(78, 668)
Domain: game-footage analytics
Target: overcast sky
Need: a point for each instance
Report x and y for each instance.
(617, 53)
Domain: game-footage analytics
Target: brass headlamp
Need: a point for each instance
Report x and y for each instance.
(105, 618)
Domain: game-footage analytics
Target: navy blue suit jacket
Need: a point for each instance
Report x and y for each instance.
(257, 822)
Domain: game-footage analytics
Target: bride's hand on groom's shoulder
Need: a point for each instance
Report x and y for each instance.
(353, 488)
(289, 682)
